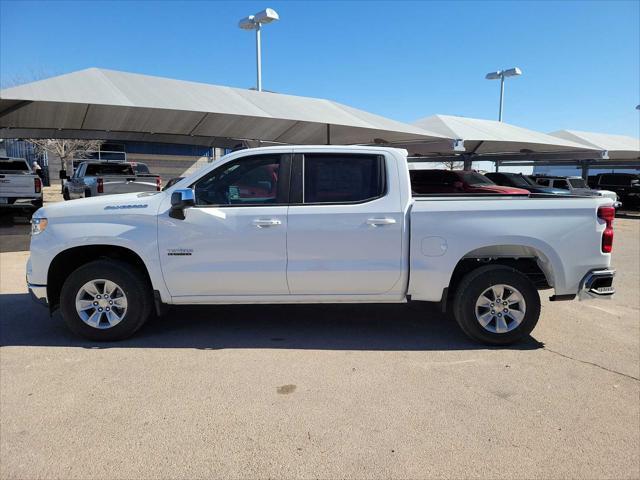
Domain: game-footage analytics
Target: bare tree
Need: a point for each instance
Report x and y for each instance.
(452, 165)
(65, 149)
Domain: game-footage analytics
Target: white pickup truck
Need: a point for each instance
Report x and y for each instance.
(92, 178)
(317, 224)
(19, 186)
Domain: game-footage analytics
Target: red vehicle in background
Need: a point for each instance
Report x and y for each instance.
(457, 181)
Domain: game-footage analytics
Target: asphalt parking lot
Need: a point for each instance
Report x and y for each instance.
(374, 391)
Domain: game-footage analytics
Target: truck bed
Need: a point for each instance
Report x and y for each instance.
(446, 228)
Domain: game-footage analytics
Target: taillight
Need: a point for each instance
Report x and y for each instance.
(37, 184)
(158, 183)
(100, 186)
(607, 214)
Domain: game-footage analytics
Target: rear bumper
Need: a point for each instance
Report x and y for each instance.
(38, 294)
(22, 202)
(597, 284)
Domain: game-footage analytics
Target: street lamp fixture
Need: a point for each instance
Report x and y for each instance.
(501, 75)
(255, 22)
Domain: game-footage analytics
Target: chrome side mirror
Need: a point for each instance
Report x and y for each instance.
(181, 200)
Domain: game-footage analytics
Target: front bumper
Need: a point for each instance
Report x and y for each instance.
(38, 294)
(597, 284)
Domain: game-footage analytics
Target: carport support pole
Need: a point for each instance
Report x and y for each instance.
(501, 101)
(585, 170)
(497, 165)
(328, 134)
(467, 163)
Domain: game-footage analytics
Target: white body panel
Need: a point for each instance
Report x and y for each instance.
(223, 252)
(327, 253)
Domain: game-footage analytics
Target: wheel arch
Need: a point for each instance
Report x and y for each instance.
(66, 261)
(531, 261)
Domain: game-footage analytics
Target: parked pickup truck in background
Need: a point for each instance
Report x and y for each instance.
(317, 224)
(625, 185)
(94, 178)
(19, 186)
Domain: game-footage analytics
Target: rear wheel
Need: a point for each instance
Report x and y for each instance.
(496, 305)
(65, 194)
(105, 300)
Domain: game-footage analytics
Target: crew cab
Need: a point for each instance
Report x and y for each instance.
(457, 181)
(19, 186)
(94, 178)
(317, 224)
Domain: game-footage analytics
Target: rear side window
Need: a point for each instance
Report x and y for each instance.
(343, 178)
(561, 184)
(543, 181)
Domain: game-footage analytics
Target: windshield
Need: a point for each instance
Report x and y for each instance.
(474, 178)
(577, 183)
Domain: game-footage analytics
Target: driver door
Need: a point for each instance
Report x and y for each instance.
(233, 241)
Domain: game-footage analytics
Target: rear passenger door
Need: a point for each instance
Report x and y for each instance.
(344, 225)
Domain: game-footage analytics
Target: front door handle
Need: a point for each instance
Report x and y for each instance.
(376, 222)
(266, 222)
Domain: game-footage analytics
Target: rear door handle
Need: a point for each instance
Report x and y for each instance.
(376, 222)
(266, 222)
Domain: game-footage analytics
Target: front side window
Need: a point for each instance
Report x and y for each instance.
(343, 178)
(247, 181)
(543, 181)
(561, 184)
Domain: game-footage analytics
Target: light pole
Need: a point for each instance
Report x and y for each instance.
(501, 75)
(255, 22)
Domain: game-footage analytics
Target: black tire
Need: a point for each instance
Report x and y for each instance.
(37, 203)
(65, 194)
(132, 282)
(87, 193)
(472, 287)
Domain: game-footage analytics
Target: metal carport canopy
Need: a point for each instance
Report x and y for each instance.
(489, 137)
(619, 147)
(112, 105)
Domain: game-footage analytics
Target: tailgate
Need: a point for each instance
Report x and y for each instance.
(128, 184)
(17, 185)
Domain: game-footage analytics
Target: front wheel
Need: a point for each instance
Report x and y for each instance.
(496, 305)
(105, 300)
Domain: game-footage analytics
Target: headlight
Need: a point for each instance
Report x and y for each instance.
(38, 225)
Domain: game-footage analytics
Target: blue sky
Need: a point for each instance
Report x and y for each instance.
(404, 60)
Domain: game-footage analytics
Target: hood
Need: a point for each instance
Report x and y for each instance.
(548, 190)
(496, 189)
(125, 203)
